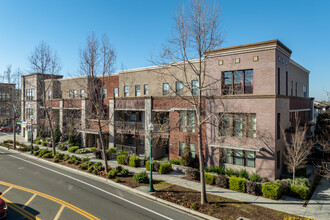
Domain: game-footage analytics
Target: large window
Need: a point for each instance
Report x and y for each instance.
(179, 88)
(126, 91)
(70, 93)
(238, 125)
(49, 94)
(29, 113)
(74, 93)
(192, 149)
(82, 93)
(30, 94)
(4, 96)
(145, 89)
(187, 122)
(115, 91)
(240, 157)
(194, 87)
(237, 82)
(166, 89)
(137, 90)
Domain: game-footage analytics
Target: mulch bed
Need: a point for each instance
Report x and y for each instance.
(217, 207)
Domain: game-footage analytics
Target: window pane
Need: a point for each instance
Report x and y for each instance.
(193, 150)
(224, 125)
(248, 81)
(238, 157)
(116, 92)
(146, 89)
(182, 146)
(166, 89)
(227, 88)
(238, 125)
(137, 90)
(179, 88)
(126, 91)
(183, 121)
(252, 126)
(191, 122)
(229, 156)
(82, 93)
(194, 86)
(238, 82)
(250, 158)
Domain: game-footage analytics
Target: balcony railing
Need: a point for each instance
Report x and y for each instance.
(129, 126)
(130, 149)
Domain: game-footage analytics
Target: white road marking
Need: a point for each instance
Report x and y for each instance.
(102, 190)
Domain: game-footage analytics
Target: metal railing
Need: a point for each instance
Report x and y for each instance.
(129, 126)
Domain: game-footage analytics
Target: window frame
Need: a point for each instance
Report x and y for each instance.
(115, 92)
(137, 91)
(179, 91)
(194, 88)
(238, 125)
(186, 124)
(232, 86)
(82, 93)
(166, 92)
(145, 89)
(126, 91)
(245, 160)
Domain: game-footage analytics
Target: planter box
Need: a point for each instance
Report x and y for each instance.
(179, 168)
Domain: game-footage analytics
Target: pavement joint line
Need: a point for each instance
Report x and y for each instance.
(21, 210)
(119, 186)
(58, 214)
(4, 192)
(72, 207)
(30, 200)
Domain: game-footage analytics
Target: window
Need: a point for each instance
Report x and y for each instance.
(220, 62)
(278, 126)
(287, 83)
(296, 89)
(291, 88)
(166, 89)
(237, 60)
(30, 94)
(187, 122)
(193, 150)
(29, 113)
(179, 88)
(103, 93)
(278, 81)
(49, 94)
(255, 58)
(126, 91)
(4, 96)
(237, 82)
(137, 90)
(278, 160)
(183, 146)
(194, 87)
(305, 91)
(145, 89)
(238, 125)
(279, 59)
(74, 93)
(70, 94)
(240, 158)
(82, 93)
(115, 91)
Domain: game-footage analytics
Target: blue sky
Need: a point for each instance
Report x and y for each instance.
(138, 28)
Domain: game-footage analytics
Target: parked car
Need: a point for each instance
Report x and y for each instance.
(3, 208)
(6, 129)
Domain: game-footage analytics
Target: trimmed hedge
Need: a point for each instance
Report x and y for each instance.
(82, 151)
(134, 161)
(300, 191)
(141, 177)
(271, 190)
(222, 181)
(209, 178)
(237, 184)
(73, 149)
(165, 168)
(120, 159)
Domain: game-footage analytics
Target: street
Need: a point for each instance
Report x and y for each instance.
(54, 193)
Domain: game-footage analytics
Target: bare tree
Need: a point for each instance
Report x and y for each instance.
(44, 60)
(183, 60)
(96, 61)
(297, 148)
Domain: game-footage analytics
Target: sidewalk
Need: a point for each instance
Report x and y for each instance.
(318, 207)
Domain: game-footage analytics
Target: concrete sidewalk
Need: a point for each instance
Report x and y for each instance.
(318, 207)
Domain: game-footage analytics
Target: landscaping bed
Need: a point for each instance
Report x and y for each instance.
(217, 207)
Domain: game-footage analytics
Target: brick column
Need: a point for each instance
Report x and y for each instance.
(111, 123)
(147, 121)
(83, 123)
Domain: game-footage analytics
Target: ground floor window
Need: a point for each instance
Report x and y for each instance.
(192, 148)
(240, 157)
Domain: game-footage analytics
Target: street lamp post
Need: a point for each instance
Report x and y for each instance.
(151, 129)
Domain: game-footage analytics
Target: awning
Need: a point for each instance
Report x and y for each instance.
(235, 147)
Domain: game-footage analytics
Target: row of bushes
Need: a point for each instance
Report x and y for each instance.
(132, 161)
(220, 170)
(160, 167)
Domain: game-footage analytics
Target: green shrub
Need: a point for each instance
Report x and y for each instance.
(209, 178)
(237, 183)
(47, 155)
(95, 171)
(72, 160)
(120, 159)
(58, 158)
(220, 170)
(117, 180)
(112, 150)
(37, 142)
(44, 143)
(148, 165)
(92, 149)
(124, 172)
(300, 191)
(83, 166)
(73, 149)
(119, 152)
(164, 168)
(82, 151)
(35, 148)
(36, 153)
(187, 159)
(271, 190)
(194, 206)
(243, 173)
(90, 168)
(255, 178)
(141, 177)
(230, 172)
(42, 152)
(119, 168)
(66, 157)
(134, 161)
(175, 161)
(302, 182)
(62, 147)
(85, 159)
(112, 174)
(97, 164)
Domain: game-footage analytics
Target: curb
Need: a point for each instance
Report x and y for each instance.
(117, 185)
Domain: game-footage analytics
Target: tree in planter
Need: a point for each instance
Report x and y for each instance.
(297, 148)
(187, 159)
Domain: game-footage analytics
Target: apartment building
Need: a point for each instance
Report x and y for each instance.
(254, 92)
(8, 98)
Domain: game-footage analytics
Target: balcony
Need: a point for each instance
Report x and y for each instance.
(129, 127)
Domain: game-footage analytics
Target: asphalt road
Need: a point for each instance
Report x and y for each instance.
(86, 194)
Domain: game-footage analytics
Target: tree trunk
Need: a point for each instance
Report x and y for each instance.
(14, 132)
(103, 146)
(201, 166)
(293, 176)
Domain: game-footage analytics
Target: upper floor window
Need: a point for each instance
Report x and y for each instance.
(187, 121)
(179, 87)
(145, 89)
(237, 82)
(126, 91)
(104, 93)
(74, 93)
(82, 93)
(49, 94)
(238, 125)
(30, 94)
(70, 93)
(115, 91)
(29, 113)
(137, 90)
(305, 91)
(194, 87)
(4, 96)
(166, 89)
